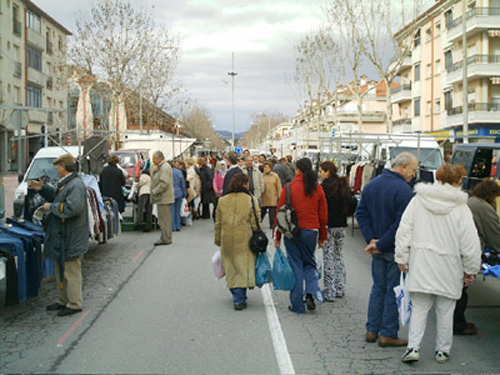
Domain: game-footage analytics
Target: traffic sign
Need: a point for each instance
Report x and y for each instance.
(19, 118)
(239, 150)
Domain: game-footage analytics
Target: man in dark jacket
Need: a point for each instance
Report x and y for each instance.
(379, 212)
(232, 160)
(283, 171)
(111, 182)
(67, 235)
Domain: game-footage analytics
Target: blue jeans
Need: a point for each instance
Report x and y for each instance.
(301, 256)
(239, 295)
(176, 214)
(383, 316)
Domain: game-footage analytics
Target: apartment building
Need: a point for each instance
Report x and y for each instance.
(430, 98)
(32, 51)
(340, 110)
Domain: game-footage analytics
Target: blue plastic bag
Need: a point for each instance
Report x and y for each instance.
(283, 276)
(492, 271)
(262, 270)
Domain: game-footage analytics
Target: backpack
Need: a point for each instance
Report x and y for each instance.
(288, 222)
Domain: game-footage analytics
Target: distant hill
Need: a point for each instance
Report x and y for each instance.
(227, 135)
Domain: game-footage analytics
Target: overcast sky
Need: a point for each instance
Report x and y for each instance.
(261, 33)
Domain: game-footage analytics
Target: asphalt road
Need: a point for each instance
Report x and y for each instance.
(160, 310)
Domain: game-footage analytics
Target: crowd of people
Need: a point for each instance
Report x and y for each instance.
(432, 233)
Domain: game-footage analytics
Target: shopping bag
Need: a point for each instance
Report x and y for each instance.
(262, 270)
(492, 271)
(184, 208)
(283, 276)
(217, 266)
(319, 268)
(403, 300)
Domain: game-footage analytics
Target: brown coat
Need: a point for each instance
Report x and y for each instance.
(272, 190)
(233, 229)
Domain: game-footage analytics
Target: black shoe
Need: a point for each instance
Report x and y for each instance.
(310, 302)
(67, 311)
(55, 306)
(160, 243)
(240, 306)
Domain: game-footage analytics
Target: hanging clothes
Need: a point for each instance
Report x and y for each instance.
(15, 246)
(97, 149)
(12, 291)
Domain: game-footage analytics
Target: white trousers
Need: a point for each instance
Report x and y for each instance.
(421, 305)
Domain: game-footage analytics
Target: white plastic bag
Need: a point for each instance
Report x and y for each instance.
(403, 300)
(184, 208)
(217, 266)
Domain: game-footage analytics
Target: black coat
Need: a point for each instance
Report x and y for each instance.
(207, 187)
(227, 178)
(111, 182)
(336, 204)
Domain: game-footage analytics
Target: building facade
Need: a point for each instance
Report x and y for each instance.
(431, 96)
(32, 78)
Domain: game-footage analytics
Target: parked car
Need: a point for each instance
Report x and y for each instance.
(132, 161)
(41, 166)
(479, 159)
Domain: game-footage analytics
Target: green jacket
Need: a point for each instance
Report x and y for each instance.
(68, 222)
(487, 223)
(162, 184)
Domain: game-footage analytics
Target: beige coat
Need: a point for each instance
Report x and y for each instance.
(272, 190)
(233, 229)
(258, 181)
(162, 184)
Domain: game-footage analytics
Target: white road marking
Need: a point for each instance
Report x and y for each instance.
(282, 355)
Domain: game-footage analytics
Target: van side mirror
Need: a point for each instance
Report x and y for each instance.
(20, 178)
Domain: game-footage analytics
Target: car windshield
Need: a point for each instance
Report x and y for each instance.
(127, 160)
(429, 157)
(42, 167)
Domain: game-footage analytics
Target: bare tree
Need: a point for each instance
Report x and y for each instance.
(342, 17)
(116, 40)
(198, 123)
(370, 27)
(315, 59)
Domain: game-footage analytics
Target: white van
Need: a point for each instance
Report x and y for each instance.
(41, 165)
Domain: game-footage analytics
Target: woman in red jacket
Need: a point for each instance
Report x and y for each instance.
(309, 202)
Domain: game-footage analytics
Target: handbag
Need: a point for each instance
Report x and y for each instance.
(403, 300)
(283, 276)
(259, 240)
(262, 270)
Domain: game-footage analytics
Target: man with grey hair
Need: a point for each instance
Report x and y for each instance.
(162, 193)
(379, 212)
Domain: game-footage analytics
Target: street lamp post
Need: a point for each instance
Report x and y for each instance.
(232, 74)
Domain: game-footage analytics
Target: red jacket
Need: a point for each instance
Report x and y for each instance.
(312, 212)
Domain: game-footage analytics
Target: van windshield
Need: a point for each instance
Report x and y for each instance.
(42, 167)
(429, 157)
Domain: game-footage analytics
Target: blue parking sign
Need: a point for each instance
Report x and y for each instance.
(239, 150)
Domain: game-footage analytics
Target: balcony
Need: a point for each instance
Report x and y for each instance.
(18, 69)
(477, 66)
(402, 125)
(477, 19)
(368, 116)
(16, 27)
(401, 94)
(478, 113)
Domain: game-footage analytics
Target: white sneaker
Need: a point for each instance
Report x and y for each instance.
(442, 357)
(411, 355)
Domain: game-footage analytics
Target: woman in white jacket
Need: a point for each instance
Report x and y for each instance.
(438, 246)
